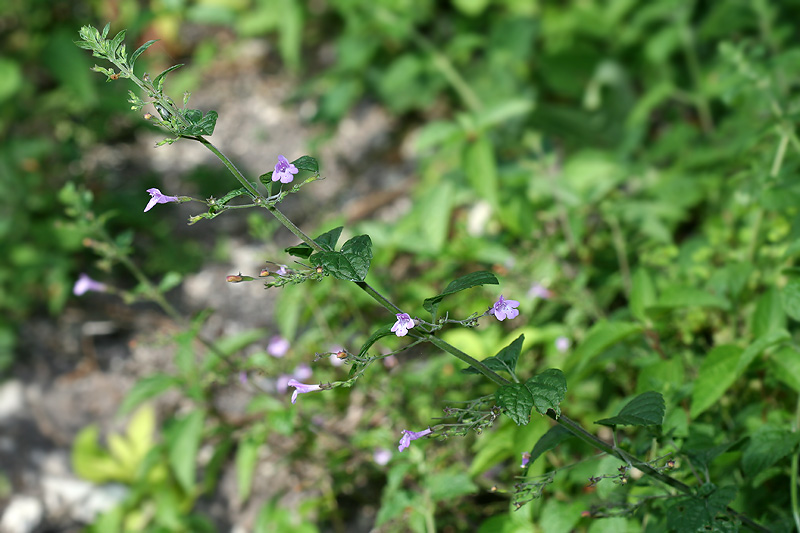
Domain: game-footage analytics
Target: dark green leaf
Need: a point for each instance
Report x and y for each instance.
(647, 409)
(135, 55)
(505, 360)
(349, 264)
(554, 436)
(200, 125)
(383, 331)
(548, 390)
(158, 82)
(327, 240)
(516, 401)
(464, 282)
(768, 445)
(308, 163)
(231, 195)
(699, 513)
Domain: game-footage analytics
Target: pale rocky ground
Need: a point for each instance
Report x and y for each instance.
(76, 369)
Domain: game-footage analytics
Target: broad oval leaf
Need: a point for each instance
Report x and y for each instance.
(647, 409)
(505, 360)
(516, 401)
(327, 240)
(717, 373)
(548, 390)
(349, 264)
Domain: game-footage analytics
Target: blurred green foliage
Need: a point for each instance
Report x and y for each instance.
(636, 158)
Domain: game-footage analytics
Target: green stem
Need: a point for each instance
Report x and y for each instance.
(231, 167)
(471, 361)
(577, 430)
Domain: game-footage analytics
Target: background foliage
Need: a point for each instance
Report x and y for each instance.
(637, 159)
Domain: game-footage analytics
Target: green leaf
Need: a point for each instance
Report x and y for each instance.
(769, 315)
(474, 279)
(200, 125)
(246, 459)
(146, 389)
(717, 373)
(647, 409)
(183, 441)
(308, 163)
(480, 166)
(791, 298)
(349, 264)
(383, 331)
(116, 41)
(135, 55)
(643, 293)
(768, 445)
(677, 297)
(505, 360)
(548, 390)
(105, 30)
(516, 401)
(445, 486)
(158, 82)
(758, 346)
(554, 436)
(695, 513)
(327, 240)
(785, 364)
(602, 336)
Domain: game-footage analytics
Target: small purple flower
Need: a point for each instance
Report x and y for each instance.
(282, 271)
(562, 344)
(158, 198)
(278, 346)
(382, 456)
(284, 171)
(86, 284)
(301, 388)
(526, 458)
(282, 383)
(539, 291)
(302, 371)
(403, 324)
(503, 309)
(408, 436)
(243, 377)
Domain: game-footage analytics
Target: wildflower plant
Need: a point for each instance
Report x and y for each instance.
(516, 396)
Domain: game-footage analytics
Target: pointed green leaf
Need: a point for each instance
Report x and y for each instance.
(758, 347)
(135, 55)
(183, 442)
(768, 445)
(554, 436)
(349, 264)
(516, 401)
(785, 364)
(200, 125)
(791, 298)
(116, 41)
(308, 163)
(327, 240)
(246, 459)
(647, 409)
(158, 82)
(769, 315)
(717, 373)
(548, 390)
(505, 360)
(146, 389)
(464, 282)
(383, 331)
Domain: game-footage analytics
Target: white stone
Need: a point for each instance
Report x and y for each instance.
(23, 515)
(12, 399)
(79, 499)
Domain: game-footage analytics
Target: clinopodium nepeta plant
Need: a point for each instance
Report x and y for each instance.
(701, 506)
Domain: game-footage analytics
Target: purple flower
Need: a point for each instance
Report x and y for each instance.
(278, 346)
(282, 383)
(403, 324)
(301, 388)
(382, 456)
(243, 377)
(526, 458)
(85, 284)
(503, 309)
(282, 271)
(562, 344)
(538, 291)
(158, 198)
(284, 170)
(302, 371)
(408, 436)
